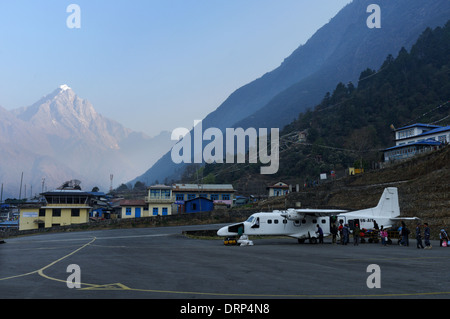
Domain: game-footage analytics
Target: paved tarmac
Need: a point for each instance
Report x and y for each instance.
(160, 263)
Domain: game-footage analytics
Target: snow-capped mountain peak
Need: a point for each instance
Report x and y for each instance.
(64, 87)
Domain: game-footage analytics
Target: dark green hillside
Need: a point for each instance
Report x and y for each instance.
(352, 124)
(337, 52)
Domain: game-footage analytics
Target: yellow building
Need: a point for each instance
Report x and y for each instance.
(61, 208)
(133, 208)
(160, 200)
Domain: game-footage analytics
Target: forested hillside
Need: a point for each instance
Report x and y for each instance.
(354, 123)
(337, 52)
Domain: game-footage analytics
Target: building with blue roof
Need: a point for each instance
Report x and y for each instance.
(416, 139)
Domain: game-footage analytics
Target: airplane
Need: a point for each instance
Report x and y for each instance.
(302, 223)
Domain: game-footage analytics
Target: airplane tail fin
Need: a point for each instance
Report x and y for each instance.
(388, 205)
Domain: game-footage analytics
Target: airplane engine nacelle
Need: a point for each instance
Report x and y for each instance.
(293, 215)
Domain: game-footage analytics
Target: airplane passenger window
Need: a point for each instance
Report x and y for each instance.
(276, 221)
(323, 221)
(269, 221)
(284, 221)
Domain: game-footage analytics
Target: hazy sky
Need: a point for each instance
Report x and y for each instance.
(151, 65)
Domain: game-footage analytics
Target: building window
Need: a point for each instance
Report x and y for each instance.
(75, 212)
(225, 196)
(41, 212)
(214, 197)
(155, 211)
(165, 194)
(179, 197)
(155, 193)
(164, 211)
(56, 212)
(190, 196)
(128, 211)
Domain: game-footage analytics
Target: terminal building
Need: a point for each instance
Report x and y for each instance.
(59, 208)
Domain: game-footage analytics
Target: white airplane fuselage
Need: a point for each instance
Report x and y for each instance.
(302, 223)
(273, 223)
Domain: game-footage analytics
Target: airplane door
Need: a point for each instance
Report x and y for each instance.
(333, 220)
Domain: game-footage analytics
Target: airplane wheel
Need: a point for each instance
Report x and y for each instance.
(313, 240)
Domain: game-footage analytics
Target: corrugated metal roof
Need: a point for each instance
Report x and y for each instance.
(67, 192)
(203, 187)
(418, 125)
(132, 202)
(434, 131)
(160, 186)
(426, 142)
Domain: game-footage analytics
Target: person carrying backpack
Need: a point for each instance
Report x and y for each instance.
(443, 238)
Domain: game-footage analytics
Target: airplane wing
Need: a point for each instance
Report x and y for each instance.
(404, 218)
(320, 212)
(298, 214)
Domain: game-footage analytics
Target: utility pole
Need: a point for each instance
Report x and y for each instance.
(20, 192)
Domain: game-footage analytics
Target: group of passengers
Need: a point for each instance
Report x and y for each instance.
(344, 234)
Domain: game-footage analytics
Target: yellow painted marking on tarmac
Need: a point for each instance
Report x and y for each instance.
(18, 276)
(117, 286)
(394, 258)
(230, 295)
(120, 286)
(41, 271)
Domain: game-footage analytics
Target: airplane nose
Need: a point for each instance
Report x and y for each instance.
(223, 231)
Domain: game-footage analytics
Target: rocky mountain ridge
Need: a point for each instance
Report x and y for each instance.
(62, 137)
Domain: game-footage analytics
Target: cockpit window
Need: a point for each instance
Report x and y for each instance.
(250, 219)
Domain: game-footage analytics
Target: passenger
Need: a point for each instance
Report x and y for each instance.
(383, 235)
(320, 233)
(404, 234)
(426, 234)
(375, 225)
(334, 231)
(443, 237)
(340, 230)
(356, 232)
(418, 237)
(345, 233)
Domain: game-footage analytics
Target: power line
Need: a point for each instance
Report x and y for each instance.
(426, 113)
